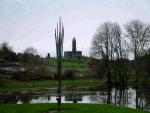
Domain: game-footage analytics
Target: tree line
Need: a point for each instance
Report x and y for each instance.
(29, 55)
(114, 46)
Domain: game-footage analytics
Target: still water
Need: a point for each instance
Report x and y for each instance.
(122, 97)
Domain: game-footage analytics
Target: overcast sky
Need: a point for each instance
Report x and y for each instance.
(31, 23)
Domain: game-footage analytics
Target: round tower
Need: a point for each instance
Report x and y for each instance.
(74, 45)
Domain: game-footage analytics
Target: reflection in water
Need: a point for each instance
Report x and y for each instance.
(119, 96)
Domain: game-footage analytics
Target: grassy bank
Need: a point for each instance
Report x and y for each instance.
(71, 62)
(13, 85)
(66, 108)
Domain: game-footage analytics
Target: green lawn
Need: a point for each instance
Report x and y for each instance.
(72, 63)
(66, 108)
(13, 85)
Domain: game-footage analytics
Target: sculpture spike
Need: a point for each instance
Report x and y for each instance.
(59, 37)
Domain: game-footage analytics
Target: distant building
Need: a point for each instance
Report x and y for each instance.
(14, 67)
(74, 52)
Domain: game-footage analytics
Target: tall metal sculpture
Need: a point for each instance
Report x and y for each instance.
(59, 38)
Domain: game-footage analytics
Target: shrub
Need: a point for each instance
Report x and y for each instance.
(68, 74)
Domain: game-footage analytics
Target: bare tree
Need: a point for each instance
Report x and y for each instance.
(138, 34)
(31, 50)
(103, 47)
(31, 56)
(108, 45)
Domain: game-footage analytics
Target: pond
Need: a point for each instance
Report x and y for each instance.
(117, 96)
